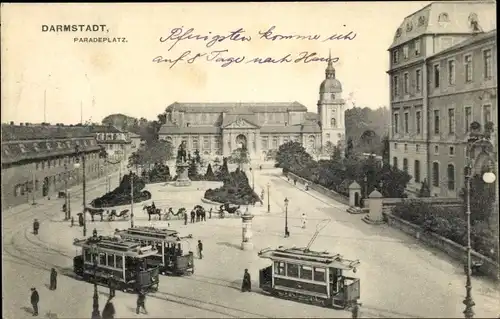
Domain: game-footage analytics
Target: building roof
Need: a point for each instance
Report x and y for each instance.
(174, 130)
(233, 118)
(476, 38)
(104, 129)
(446, 17)
(133, 135)
(19, 150)
(39, 132)
(254, 107)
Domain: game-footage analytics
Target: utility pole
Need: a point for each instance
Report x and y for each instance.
(45, 106)
(33, 189)
(131, 199)
(66, 188)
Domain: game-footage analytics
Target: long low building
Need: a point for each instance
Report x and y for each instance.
(38, 160)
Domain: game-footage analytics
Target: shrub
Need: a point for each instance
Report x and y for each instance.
(121, 195)
(235, 190)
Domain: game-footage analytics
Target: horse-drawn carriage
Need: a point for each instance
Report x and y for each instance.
(169, 256)
(125, 261)
(230, 209)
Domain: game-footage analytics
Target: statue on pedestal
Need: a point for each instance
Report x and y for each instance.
(181, 153)
(182, 166)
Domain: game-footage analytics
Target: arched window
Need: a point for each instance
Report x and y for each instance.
(395, 162)
(327, 136)
(435, 174)
(333, 122)
(311, 141)
(195, 143)
(451, 177)
(405, 165)
(416, 173)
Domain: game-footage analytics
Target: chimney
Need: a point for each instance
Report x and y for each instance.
(11, 122)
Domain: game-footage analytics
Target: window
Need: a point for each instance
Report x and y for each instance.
(332, 96)
(451, 177)
(406, 83)
(22, 148)
(436, 75)
(451, 121)
(292, 270)
(195, 143)
(405, 165)
(396, 123)
(468, 116)
(451, 72)
(418, 119)
(319, 274)
(43, 165)
(417, 147)
(111, 260)
(405, 52)
(48, 163)
(265, 144)
(436, 149)
(406, 147)
(452, 150)
(468, 68)
(487, 64)
(206, 143)
(395, 85)
(306, 272)
(395, 56)
(417, 47)
(416, 171)
(486, 114)
(407, 129)
(102, 259)
(395, 162)
(333, 122)
(435, 174)
(436, 122)
(418, 80)
(275, 143)
(37, 166)
(395, 146)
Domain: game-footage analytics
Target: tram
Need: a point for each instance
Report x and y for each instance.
(102, 257)
(170, 256)
(315, 277)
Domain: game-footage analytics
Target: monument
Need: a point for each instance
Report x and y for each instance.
(182, 167)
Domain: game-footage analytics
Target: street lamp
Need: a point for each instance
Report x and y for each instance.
(95, 305)
(268, 203)
(131, 176)
(77, 165)
(67, 214)
(253, 182)
(488, 177)
(286, 218)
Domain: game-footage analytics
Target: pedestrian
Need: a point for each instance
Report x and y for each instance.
(53, 279)
(36, 226)
(355, 310)
(295, 181)
(72, 221)
(210, 213)
(141, 302)
(112, 286)
(203, 215)
(193, 214)
(262, 194)
(109, 310)
(200, 249)
(307, 186)
(94, 232)
(198, 215)
(247, 282)
(35, 298)
(185, 218)
(304, 220)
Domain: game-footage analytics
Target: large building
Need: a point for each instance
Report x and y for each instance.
(220, 128)
(443, 77)
(118, 144)
(38, 160)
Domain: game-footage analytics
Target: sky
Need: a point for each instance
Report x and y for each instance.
(58, 78)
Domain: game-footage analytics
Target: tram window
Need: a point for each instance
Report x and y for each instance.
(102, 259)
(292, 270)
(319, 274)
(119, 262)
(111, 260)
(87, 255)
(279, 268)
(306, 272)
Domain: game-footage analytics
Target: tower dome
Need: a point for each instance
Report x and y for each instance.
(330, 84)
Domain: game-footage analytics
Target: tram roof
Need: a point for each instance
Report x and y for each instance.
(115, 245)
(149, 232)
(306, 257)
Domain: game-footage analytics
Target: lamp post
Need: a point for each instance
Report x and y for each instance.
(253, 181)
(77, 165)
(66, 213)
(131, 199)
(488, 178)
(33, 187)
(268, 203)
(286, 218)
(95, 305)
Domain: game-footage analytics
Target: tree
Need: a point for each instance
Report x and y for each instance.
(369, 142)
(193, 170)
(152, 153)
(336, 156)
(292, 156)
(349, 151)
(329, 148)
(223, 172)
(386, 150)
(209, 175)
(393, 182)
(240, 156)
(482, 199)
(197, 156)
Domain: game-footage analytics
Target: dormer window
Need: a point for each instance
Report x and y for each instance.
(443, 17)
(333, 96)
(188, 124)
(36, 147)
(48, 146)
(22, 148)
(68, 144)
(59, 145)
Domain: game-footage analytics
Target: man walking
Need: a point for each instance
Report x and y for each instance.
(200, 249)
(35, 298)
(141, 302)
(109, 310)
(36, 226)
(304, 220)
(247, 282)
(185, 218)
(53, 279)
(193, 214)
(112, 286)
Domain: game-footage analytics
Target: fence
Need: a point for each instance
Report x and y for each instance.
(320, 189)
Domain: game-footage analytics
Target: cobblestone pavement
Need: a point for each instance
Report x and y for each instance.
(399, 278)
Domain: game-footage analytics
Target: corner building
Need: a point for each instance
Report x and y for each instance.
(442, 63)
(220, 128)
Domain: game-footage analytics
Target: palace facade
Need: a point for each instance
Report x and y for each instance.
(220, 128)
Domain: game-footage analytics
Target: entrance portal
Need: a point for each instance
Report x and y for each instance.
(356, 199)
(241, 141)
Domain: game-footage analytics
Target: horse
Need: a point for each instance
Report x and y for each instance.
(152, 211)
(94, 211)
(170, 212)
(200, 213)
(123, 214)
(230, 210)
